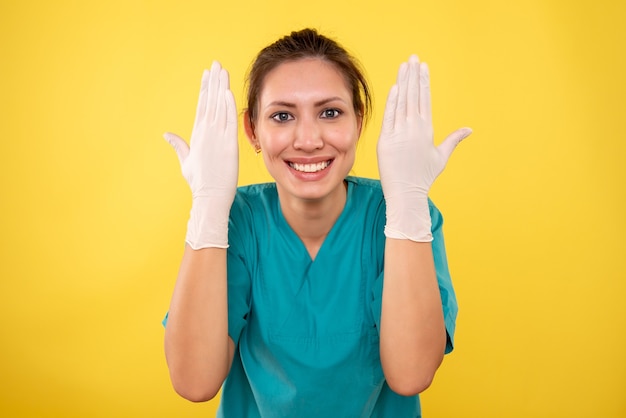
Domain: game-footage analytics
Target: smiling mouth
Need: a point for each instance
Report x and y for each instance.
(310, 168)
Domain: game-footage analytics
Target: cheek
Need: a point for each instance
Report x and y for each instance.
(343, 137)
(273, 141)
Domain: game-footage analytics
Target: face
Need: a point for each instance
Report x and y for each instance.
(307, 129)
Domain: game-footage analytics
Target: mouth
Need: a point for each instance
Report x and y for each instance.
(310, 168)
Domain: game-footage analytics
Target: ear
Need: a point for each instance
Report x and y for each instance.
(248, 126)
(359, 124)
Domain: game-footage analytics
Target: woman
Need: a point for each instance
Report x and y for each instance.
(280, 299)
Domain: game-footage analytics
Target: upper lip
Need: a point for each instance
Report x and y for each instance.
(308, 160)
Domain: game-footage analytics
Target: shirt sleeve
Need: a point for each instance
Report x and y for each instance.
(448, 297)
(240, 242)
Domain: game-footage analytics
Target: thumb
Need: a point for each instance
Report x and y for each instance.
(179, 145)
(449, 144)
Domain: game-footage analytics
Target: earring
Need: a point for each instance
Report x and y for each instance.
(257, 149)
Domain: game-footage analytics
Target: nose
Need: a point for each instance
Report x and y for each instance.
(308, 135)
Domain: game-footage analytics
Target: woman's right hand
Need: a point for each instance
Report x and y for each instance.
(211, 164)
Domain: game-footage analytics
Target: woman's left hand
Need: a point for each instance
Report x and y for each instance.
(408, 160)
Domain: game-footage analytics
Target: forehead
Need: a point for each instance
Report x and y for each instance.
(309, 77)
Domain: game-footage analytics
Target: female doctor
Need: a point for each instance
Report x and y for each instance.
(320, 294)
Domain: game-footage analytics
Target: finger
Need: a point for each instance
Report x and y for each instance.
(201, 108)
(424, 94)
(221, 109)
(231, 115)
(213, 89)
(413, 89)
(403, 84)
(224, 79)
(179, 145)
(450, 143)
(389, 117)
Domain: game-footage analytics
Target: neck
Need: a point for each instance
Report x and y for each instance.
(312, 220)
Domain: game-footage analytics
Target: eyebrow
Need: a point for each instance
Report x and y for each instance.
(316, 104)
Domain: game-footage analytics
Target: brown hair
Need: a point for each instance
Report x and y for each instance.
(307, 43)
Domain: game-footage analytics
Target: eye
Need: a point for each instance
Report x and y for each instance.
(281, 117)
(331, 113)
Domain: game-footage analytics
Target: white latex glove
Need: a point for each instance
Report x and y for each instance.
(408, 160)
(210, 166)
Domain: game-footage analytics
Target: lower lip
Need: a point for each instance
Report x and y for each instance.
(302, 175)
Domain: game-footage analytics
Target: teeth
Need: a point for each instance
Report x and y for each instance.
(310, 168)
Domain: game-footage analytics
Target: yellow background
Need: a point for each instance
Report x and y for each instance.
(93, 207)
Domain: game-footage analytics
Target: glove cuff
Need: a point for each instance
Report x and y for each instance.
(207, 226)
(410, 220)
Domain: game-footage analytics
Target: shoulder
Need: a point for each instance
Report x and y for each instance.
(365, 188)
(366, 201)
(365, 183)
(371, 191)
(254, 196)
(253, 206)
(256, 191)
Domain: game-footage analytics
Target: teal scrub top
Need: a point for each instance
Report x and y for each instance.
(307, 331)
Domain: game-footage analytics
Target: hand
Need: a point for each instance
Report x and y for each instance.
(210, 166)
(408, 160)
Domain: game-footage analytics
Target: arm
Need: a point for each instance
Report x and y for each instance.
(412, 332)
(413, 335)
(198, 349)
